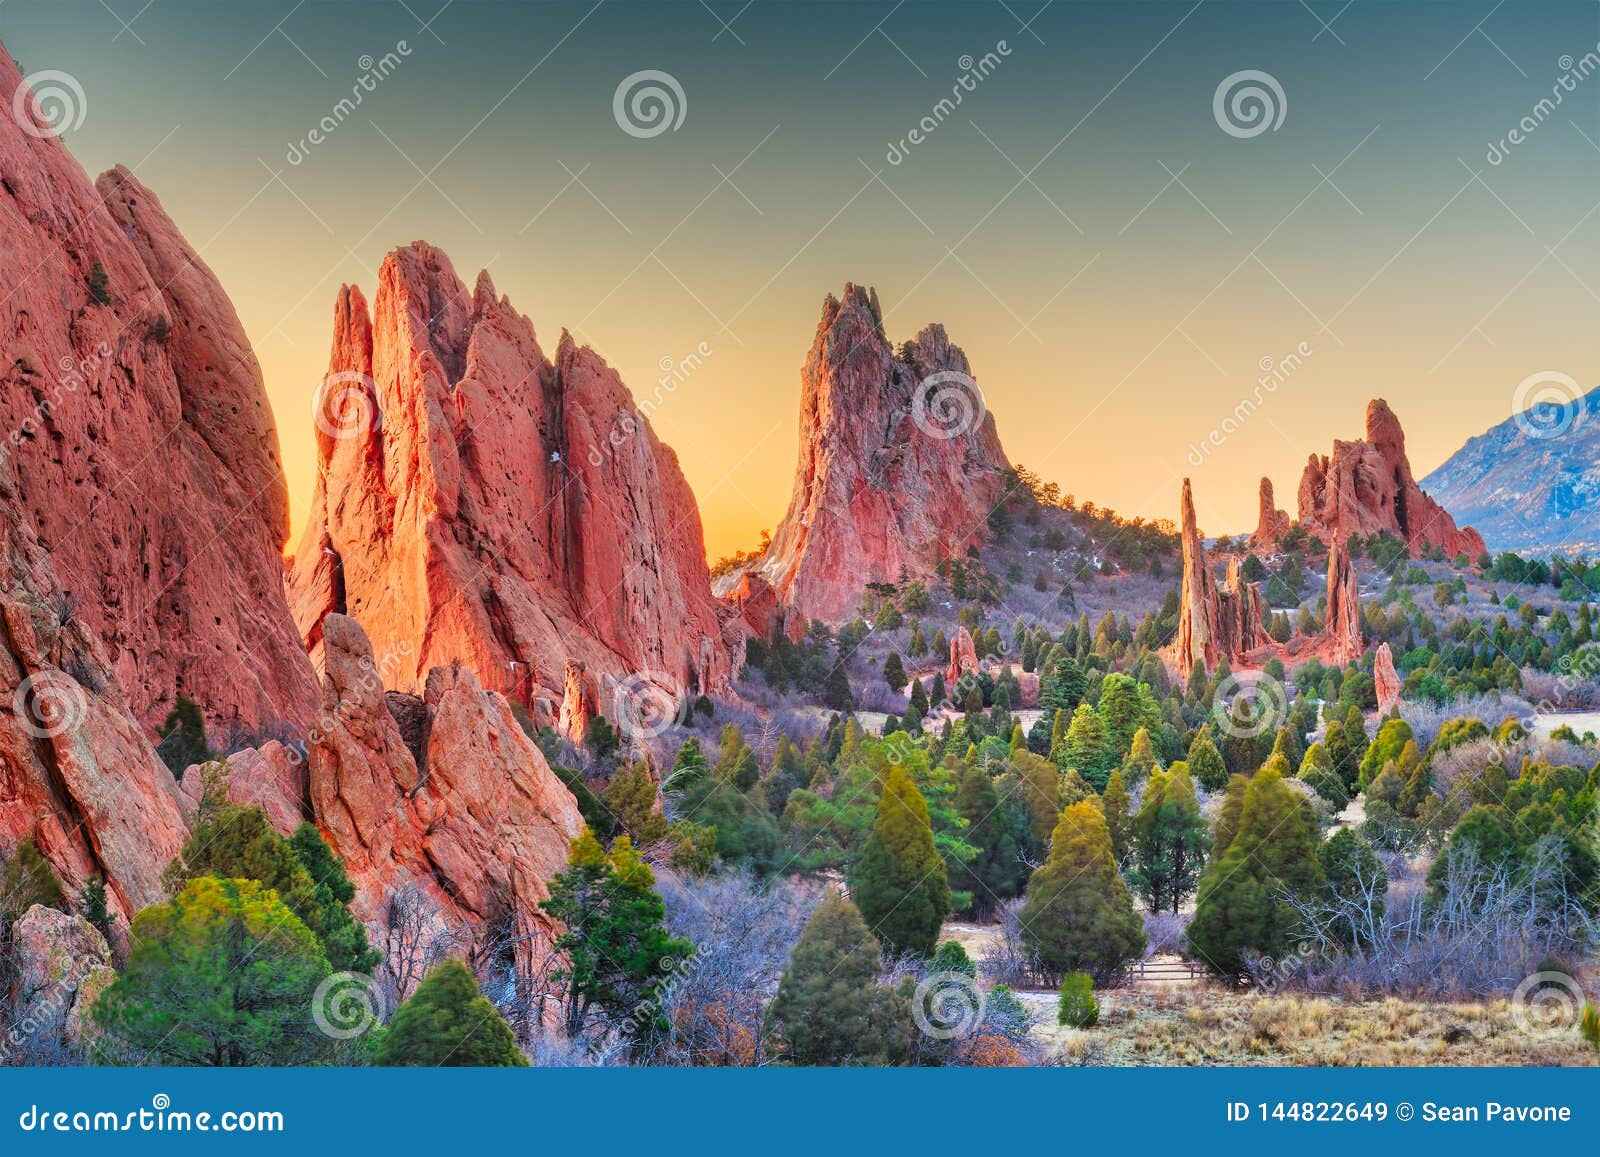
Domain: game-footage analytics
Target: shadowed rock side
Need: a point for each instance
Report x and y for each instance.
(77, 773)
(472, 824)
(1365, 487)
(878, 490)
(479, 503)
(140, 440)
(1213, 623)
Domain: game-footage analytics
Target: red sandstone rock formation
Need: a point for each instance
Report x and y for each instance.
(473, 820)
(78, 774)
(758, 605)
(1213, 623)
(271, 777)
(577, 703)
(1367, 486)
(480, 503)
(1386, 679)
(141, 439)
(963, 658)
(1343, 623)
(899, 465)
(1271, 524)
(60, 964)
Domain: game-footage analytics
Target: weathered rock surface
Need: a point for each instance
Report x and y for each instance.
(60, 965)
(758, 605)
(477, 825)
(141, 440)
(477, 502)
(963, 658)
(1365, 487)
(271, 777)
(1271, 523)
(1385, 679)
(1214, 623)
(1343, 626)
(900, 463)
(78, 774)
(578, 703)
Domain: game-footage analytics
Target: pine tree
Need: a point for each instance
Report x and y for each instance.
(1353, 872)
(1229, 816)
(92, 906)
(1078, 915)
(993, 874)
(1038, 782)
(900, 884)
(1085, 747)
(1169, 840)
(1119, 816)
(26, 879)
(1240, 907)
(447, 1022)
(1140, 761)
(183, 737)
(831, 1008)
(894, 671)
(836, 692)
(1206, 764)
(1317, 771)
(919, 699)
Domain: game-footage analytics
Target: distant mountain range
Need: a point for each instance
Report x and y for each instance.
(1532, 482)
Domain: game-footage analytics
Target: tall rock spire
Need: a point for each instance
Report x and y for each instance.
(1213, 623)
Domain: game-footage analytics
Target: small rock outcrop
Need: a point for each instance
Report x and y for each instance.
(478, 502)
(900, 463)
(1271, 523)
(1386, 680)
(1213, 623)
(578, 703)
(963, 658)
(1365, 487)
(1343, 628)
(137, 427)
(60, 964)
(271, 777)
(476, 823)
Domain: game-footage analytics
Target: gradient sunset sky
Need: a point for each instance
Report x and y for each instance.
(1116, 266)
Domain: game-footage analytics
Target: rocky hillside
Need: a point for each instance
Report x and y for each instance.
(900, 465)
(1533, 481)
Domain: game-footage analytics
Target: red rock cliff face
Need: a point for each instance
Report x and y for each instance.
(1367, 486)
(887, 480)
(477, 502)
(140, 440)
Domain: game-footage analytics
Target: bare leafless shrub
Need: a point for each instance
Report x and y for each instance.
(1427, 719)
(1165, 933)
(1005, 957)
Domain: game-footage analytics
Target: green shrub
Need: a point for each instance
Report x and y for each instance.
(1079, 1008)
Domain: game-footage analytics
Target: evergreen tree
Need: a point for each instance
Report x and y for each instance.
(1085, 747)
(1118, 811)
(894, 671)
(900, 884)
(831, 1008)
(615, 952)
(92, 906)
(1038, 783)
(1169, 840)
(1353, 872)
(183, 737)
(919, 699)
(26, 879)
(1241, 907)
(1206, 764)
(1079, 915)
(447, 1022)
(836, 692)
(994, 873)
(223, 974)
(1140, 761)
(1229, 816)
(1317, 771)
